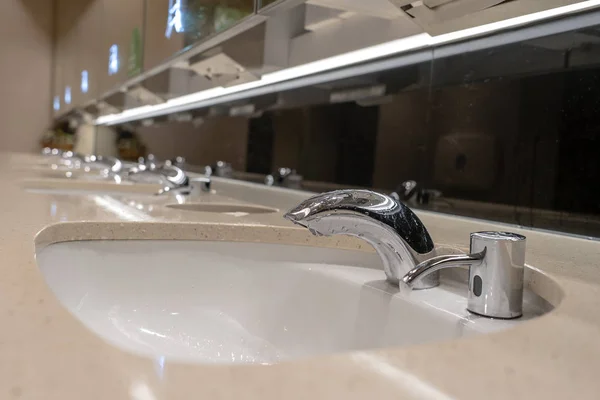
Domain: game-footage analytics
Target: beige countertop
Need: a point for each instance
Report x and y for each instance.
(48, 354)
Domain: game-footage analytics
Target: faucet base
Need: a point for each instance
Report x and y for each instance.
(430, 281)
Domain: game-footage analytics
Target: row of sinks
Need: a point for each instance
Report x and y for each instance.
(207, 301)
(62, 180)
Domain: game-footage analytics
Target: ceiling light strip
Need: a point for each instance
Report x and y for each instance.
(331, 76)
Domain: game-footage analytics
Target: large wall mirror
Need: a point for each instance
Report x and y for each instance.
(506, 132)
(503, 127)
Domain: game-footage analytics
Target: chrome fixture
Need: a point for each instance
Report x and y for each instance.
(396, 233)
(413, 193)
(178, 161)
(75, 159)
(410, 260)
(222, 169)
(169, 176)
(148, 162)
(172, 178)
(496, 267)
(49, 151)
(195, 187)
(111, 165)
(66, 158)
(64, 154)
(285, 177)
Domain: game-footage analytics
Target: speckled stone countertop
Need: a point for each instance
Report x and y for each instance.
(48, 354)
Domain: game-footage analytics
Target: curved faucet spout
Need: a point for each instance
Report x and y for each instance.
(433, 265)
(395, 232)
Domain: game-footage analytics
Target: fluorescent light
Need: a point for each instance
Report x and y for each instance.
(424, 40)
(68, 95)
(84, 81)
(113, 59)
(366, 54)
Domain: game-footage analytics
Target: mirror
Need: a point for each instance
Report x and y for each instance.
(501, 127)
(503, 132)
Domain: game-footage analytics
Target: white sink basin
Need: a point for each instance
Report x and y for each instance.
(225, 302)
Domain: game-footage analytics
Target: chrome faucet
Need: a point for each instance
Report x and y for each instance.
(396, 233)
(171, 177)
(410, 259)
(413, 193)
(178, 161)
(49, 151)
(52, 152)
(109, 165)
(285, 177)
(223, 169)
(148, 162)
(73, 160)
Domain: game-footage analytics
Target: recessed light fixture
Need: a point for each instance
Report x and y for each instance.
(68, 95)
(423, 40)
(56, 103)
(113, 59)
(84, 81)
(174, 19)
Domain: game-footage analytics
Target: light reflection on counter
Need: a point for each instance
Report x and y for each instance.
(121, 210)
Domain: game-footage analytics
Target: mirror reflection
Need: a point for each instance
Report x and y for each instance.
(497, 134)
(499, 127)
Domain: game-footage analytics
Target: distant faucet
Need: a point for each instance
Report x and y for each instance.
(109, 166)
(178, 161)
(222, 169)
(49, 151)
(285, 177)
(173, 179)
(148, 162)
(413, 193)
(72, 159)
(496, 259)
(396, 233)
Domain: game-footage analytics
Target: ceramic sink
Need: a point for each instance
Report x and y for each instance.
(235, 302)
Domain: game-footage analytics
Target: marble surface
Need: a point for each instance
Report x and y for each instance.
(48, 353)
